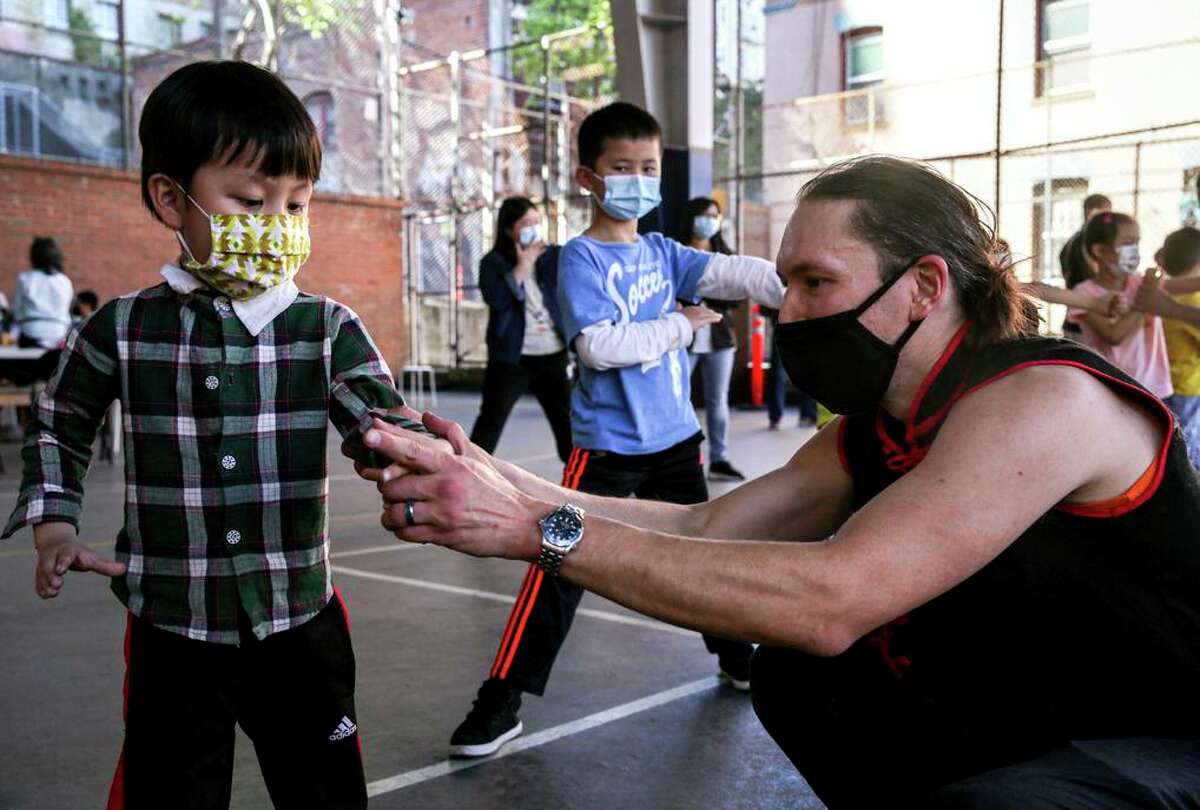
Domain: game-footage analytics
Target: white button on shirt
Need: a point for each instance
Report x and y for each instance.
(233, 537)
(211, 382)
(228, 462)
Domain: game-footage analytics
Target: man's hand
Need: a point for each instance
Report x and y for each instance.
(457, 502)
(59, 551)
(699, 316)
(352, 452)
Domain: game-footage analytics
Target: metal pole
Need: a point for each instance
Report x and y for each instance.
(219, 27)
(126, 105)
(738, 125)
(546, 128)
(1137, 175)
(999, 104)
(455, 93)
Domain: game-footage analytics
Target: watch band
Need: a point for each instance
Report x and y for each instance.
(550, 561)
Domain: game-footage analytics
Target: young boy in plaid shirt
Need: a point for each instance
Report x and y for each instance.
(227, 376)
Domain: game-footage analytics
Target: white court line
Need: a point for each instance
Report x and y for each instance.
(410, 778)
(399, 545)
(603, 615)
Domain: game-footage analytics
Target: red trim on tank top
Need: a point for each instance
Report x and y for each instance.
(841, 444)
(903, 460)
(1141, 490)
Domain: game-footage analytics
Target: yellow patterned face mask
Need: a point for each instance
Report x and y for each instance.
(251, 253)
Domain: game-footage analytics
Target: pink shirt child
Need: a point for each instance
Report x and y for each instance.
(1142, 355)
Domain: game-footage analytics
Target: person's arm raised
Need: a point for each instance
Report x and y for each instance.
(805, 499)
(975, 492)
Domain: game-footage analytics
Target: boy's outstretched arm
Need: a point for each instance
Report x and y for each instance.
(65, 420)
(362, 387)
(736, 277)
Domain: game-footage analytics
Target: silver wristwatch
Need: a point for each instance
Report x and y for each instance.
(562, 530)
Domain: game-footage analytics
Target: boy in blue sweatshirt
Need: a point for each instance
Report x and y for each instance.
(633, 427)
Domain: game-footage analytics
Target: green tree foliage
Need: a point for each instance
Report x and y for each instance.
(584, 65)
(86, 46)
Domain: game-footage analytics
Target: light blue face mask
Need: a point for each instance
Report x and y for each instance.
(706, 226)
(528, 235)
(630, 196)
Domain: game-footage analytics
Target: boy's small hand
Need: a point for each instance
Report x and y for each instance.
(699, 316)
(59, 551)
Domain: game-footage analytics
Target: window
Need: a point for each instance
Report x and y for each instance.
(58, 13)
(1189, 204)
(862, 68)
(107, 18)
(320, 110)
(1055, 220)
(1064, 45)
(206, 30)
(170, 30)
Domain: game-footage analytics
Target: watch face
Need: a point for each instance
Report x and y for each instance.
(562, 528)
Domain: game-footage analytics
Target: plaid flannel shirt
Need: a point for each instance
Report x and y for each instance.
(225, 463)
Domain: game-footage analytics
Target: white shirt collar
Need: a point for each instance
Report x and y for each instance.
(255, 313)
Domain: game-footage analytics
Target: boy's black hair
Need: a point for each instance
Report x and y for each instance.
(45, 254)
(617, 120)
(89, 298)
(225, 111)
(1180, 251)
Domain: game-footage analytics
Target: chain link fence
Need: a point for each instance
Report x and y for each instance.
(1031, 155)
(482, 126)
(75, 75)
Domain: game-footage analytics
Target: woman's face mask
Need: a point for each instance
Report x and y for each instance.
(528, 235)
(706, 226)
(250, 253)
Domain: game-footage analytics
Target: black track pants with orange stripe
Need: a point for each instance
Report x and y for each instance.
(546, 605)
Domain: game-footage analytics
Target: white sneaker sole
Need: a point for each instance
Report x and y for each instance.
(484, 749)
(741, 686)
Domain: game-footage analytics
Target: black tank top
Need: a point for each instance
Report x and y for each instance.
(1086, 626)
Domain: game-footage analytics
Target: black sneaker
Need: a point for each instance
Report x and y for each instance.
(724, 471)
(735, 671)
(491, 722)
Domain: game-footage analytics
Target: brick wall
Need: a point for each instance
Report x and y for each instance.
(112, 245)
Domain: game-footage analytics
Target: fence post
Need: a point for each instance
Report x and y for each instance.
(126, 106)
(546, 43)
(1137, 175)
(999, 105)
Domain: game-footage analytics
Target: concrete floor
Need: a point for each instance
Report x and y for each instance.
(633, 716)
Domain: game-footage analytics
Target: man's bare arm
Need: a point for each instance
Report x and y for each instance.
(808, 498)
(974, 493)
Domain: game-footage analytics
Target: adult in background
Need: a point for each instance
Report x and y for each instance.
(715, 345)
(526, 350)
(965, 600)
(42, 302)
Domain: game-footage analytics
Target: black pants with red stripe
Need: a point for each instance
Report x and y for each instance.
(546, 605)
(292, 693)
